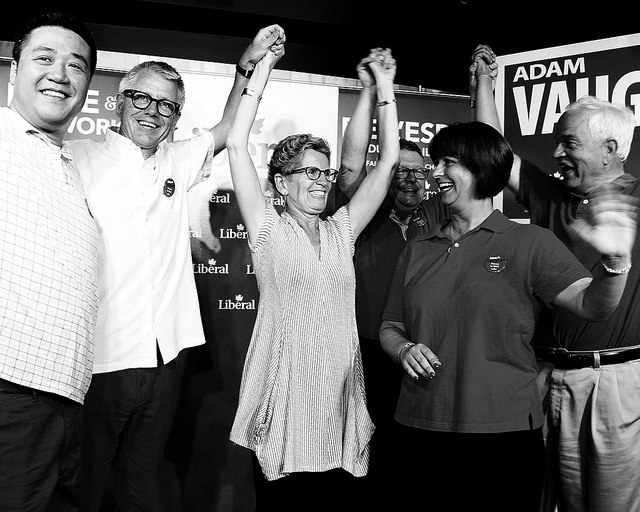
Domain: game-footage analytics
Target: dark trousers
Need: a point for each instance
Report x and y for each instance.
(127, 419)
(449, 471)
(324, 491)
(40, 450)
(382, 383)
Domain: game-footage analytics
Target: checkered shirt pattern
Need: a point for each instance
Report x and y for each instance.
(48, 262)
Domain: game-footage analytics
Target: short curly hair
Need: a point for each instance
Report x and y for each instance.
(288, 153)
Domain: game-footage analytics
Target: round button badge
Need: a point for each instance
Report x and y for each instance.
(495, 264)
(169, 187)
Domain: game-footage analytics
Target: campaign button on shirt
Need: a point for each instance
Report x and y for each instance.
(495, 264)
(169, 187)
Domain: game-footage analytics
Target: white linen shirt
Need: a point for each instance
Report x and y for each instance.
(48, 264)
(145, 274)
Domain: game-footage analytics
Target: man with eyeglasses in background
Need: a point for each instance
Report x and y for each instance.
(136, 183)
(405, 213)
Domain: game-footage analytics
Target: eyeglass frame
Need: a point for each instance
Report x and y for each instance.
(331, 178)
(406, 170)
(129, 93)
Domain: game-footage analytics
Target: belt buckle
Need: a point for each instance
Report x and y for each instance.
(561, 355)
(575, 360)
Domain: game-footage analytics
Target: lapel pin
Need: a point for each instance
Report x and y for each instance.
(169, 187)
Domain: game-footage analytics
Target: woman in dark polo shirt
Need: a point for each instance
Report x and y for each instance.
(460, 317)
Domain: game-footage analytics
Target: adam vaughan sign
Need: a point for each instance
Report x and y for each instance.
(534, 88)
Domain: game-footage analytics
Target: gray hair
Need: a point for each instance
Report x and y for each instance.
(608, 120)
(161, 68)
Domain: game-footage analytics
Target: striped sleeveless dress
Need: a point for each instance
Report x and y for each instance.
(302, 404)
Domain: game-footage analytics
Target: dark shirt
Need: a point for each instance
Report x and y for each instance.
(475, 303)
(376, 254)
(553, 207)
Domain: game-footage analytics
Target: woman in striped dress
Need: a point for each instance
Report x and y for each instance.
(302, 407)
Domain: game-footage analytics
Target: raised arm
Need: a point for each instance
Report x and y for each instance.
(369, 196)
(244, 176)
(483, 72)
(262, 42)
(611, 231)
(356, 138)
(482, 76)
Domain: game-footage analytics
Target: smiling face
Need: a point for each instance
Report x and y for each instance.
(456, 183)
(303, 194)
(581, 158)
(51, 80)
(407, 193)
(146, 128)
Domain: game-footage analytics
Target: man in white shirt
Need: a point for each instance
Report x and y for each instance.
(136, 184)
(48, 262)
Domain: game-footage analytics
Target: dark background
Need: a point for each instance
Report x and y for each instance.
(431, 40)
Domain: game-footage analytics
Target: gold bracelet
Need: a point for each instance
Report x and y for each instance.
(616, 271)
(386, 102)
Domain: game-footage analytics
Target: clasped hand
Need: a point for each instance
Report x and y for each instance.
(378, 64)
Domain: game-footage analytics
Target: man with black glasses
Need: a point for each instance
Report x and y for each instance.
(405, 213)
(136, 183)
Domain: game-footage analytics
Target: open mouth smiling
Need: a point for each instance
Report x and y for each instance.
(147, 124)
(54, 94)
(444, 186)
(566, 169)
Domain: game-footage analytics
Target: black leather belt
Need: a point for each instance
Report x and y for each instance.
(572, 359)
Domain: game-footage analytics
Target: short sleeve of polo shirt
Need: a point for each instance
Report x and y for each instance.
(536, 186)
(394, 310)
(194, 156)
(553, 266)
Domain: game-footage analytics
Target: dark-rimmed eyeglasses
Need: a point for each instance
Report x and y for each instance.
(313, 173)
(402, 172)
(142, 100)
